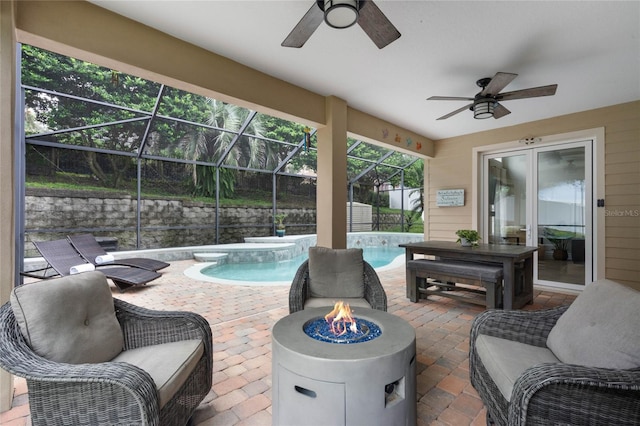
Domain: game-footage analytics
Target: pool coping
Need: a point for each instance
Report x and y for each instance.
(195, 272)
(285, 248)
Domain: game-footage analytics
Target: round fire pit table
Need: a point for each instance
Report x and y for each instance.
(361, 383)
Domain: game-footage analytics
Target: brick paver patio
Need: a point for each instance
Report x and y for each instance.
(241, 318)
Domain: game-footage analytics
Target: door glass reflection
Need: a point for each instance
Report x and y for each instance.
(561, 215)
(507, 200)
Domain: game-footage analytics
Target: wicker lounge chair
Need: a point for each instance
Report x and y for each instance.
(575, 365)
(108, 362)
(359, 287)
(91, 250)
(62, 257)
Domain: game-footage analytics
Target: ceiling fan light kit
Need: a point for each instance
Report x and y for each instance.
(341, 13)
(484, 109)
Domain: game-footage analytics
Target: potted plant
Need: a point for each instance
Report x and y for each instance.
(468, 237)
(560, 246)
(279, 219)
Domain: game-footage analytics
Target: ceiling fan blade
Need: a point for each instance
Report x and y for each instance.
(448, 98)
(379, 29)
(451, 114)
(500, 111)
(305, 28)
(533, 92)
(497, 83)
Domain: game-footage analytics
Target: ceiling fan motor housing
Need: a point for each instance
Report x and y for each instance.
(340, 13)
(483, 82)
(343, 14)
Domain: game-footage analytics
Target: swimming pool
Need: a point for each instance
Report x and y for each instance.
(282, 272)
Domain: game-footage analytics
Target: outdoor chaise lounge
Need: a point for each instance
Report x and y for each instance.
(336, 274)
(90, 249)
(91, 359)
(575, 365)
(65, 260)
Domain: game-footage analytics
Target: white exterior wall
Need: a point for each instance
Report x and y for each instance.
(410, 197)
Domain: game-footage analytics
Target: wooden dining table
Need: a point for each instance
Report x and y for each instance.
(514, 297)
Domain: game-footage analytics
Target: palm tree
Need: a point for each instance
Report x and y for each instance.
(416, 174)
(210, 144)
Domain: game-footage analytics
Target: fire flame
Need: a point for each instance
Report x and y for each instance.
(339, 317)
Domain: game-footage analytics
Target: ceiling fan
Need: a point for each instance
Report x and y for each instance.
(487, 102)
(343, 14)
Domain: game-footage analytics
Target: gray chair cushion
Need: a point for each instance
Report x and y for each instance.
(506, 360)
(601, 328)
(336, 273)
(168, 364)
(69, 319)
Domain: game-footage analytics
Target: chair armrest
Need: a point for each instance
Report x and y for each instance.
(127, 392)
(573, 394)
(145, 327)
(373, 291)
(299, 288)
(71, 386)
(530, 327)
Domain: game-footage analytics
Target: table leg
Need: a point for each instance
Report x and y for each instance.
(412, 287)
(528, 279)
(408, 254)
(508, 268)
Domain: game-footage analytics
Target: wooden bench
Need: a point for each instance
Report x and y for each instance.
(448, 273)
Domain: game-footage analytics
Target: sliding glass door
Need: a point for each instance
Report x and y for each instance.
(563, 220)
(508, 204)
(539, 197)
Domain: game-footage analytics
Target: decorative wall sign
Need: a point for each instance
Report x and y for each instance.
(450, 197)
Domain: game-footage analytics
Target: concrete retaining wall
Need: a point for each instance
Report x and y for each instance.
(52, 214)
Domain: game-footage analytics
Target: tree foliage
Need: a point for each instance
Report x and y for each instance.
(115, 114)
(414, 178)
(79, 79)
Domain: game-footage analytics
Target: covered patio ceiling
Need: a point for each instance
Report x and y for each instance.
(590, 49)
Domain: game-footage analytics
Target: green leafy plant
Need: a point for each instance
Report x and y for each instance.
(411, 218)
(560, 241)
(279, 219)
(472, 236)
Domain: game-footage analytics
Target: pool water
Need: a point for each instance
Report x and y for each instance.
(286, 269)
